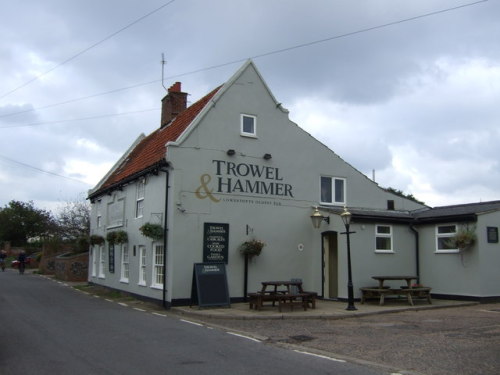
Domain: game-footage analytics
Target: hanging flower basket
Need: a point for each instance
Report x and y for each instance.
(82, 244)
(464, 239)
(153, 231)
(252, 248)
(117, 237)
(95, 239)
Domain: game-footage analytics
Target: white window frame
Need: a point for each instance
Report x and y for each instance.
(102, 262)
(157, 274)
(242, 130)
(389, 235)
(139, 201)
(142, 265)
(333, 190)
(449, 235)
(125, 264)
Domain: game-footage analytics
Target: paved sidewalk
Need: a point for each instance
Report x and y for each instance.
(324, 310)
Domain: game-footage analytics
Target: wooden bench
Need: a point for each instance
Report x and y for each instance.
(422, 292)
(311, 298)
(256, 300)
(374, 292)
(380, 293)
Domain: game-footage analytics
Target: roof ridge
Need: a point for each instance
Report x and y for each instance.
(151, 150)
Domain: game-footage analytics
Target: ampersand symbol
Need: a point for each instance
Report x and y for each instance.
(203, 190)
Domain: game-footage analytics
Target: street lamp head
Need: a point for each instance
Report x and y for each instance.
(317, 218)
(346, 216)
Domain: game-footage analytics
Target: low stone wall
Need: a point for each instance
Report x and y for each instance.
(70, 267)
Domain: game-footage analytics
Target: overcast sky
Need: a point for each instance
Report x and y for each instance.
(408, 89)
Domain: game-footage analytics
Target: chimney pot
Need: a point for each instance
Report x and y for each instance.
(173, 103)
(176, 87)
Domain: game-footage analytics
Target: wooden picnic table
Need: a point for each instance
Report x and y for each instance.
(289, 293)
(381, 279)
(383, 290)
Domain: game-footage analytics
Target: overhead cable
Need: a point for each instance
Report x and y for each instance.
(265, 54)
(41, 170)
(86, 49)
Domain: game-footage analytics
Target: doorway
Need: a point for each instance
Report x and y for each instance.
(330, 265)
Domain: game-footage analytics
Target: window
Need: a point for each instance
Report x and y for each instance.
(142, 265)
(102, 261)
(158, 266)
(139, 206)
(444, 234)
(125, 265)
(383, 238)
(332, 190)
(99, 213)
(248, 125)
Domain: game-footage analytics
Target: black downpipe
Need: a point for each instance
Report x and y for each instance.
(417, 251)
(165, 236)
(245, 281)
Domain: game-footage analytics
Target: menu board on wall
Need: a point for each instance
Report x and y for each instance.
(215, 243)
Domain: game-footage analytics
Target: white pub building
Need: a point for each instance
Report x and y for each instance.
(232, 168)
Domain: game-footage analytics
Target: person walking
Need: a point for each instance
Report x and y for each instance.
(3, 255)
(22, 261)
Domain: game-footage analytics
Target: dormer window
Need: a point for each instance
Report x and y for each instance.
(248, 125)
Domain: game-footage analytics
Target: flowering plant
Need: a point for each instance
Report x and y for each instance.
(96, 239)
(252, 247)
(117, 237)
(464, 239)
(154, 231)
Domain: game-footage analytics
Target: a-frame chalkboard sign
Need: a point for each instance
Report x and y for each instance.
(209, 286)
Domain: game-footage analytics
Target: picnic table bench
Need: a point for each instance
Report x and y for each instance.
(381, 291)
(292, 295)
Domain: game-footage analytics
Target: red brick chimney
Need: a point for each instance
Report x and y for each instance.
(173, 103)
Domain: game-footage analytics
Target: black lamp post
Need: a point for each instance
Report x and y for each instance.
(346, 218)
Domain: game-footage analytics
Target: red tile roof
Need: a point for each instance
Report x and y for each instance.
(151, 150)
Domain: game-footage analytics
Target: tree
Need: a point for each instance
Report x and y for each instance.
(20, 221)
(74, 220)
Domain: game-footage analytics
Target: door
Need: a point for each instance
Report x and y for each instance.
(330, 265)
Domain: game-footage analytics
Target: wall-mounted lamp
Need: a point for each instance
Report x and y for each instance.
(317, 218)
(267, 156)
(230, 152)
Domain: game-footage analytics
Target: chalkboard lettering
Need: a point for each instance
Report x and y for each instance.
(215, 243)
(209, 286)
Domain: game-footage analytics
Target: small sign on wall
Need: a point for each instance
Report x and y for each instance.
(215, 243)
(492, 234)
(111, 258)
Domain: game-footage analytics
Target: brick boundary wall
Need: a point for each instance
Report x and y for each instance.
(71, 267)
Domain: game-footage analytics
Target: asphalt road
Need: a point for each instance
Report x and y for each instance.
(50, 328)
(444, 341)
